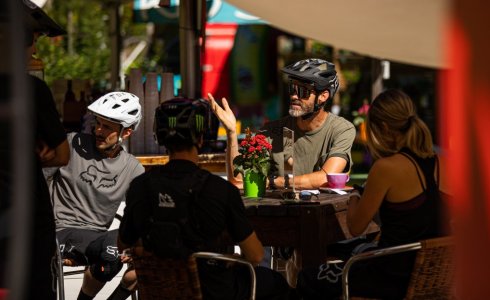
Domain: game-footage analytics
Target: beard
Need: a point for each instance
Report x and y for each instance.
(104, 143)
(303, 110)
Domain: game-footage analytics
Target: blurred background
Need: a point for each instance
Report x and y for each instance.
(239, 57)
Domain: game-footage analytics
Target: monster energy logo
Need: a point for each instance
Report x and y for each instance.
(199, 123)
(172, 122)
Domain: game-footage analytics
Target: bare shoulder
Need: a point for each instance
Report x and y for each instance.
(380, 171)
(399, 175)
(392, 168)
(386, 164)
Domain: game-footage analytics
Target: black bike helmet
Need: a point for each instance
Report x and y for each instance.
(181, 120)
(37, 20)
(319, 72)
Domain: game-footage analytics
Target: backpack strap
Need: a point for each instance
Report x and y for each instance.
(200, 177)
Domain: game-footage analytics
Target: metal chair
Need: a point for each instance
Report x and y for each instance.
(431, 277)
(61, 273)
(174, 279)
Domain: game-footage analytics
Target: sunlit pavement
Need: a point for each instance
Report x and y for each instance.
(74, 282)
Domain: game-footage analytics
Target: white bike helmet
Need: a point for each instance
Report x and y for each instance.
(119, 107)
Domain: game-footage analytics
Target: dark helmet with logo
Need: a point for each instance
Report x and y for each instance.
(181, 121)
(319, 72)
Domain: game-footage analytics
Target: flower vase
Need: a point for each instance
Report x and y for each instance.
(254, 185)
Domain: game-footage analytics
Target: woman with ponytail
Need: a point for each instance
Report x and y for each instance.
(403, 187)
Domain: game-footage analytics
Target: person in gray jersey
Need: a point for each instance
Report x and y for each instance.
(322, 141)
(87, 192)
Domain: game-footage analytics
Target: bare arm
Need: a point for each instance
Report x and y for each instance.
(316, 179)
(362, 210)
(252, 249)
(227, 118)
(56, 157)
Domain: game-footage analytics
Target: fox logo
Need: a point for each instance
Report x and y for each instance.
(96, 177)
(165, 200)
(331, 272)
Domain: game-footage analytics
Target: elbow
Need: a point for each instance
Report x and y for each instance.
(354, 228)
(355, 232)
(63, 153)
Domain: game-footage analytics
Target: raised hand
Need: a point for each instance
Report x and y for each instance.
(224, 114)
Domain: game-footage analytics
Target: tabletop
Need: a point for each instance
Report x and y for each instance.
(309, 226)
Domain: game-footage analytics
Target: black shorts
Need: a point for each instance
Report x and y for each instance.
(88, 246)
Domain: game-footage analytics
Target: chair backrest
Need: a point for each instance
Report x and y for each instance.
(160, 278)
(432, 274)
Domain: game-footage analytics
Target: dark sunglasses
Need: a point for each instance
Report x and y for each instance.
(303, 91)
(305, 195)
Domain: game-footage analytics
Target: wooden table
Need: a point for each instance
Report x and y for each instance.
(307, 226)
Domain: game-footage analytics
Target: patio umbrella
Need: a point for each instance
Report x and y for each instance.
(407, 31)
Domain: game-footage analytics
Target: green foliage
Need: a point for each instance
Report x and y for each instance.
(84, 53)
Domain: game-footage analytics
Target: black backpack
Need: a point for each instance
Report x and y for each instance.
(174, 231)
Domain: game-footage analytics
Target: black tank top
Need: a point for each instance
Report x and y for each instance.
(418, 218)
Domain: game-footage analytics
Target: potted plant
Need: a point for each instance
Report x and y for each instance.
(254, 163)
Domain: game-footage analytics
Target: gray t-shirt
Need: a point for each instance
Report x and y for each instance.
(87, 191)
(311, 149)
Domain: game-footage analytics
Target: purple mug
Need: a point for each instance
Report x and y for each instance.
(337, 180)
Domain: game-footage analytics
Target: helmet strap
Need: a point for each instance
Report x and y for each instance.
(120, 139)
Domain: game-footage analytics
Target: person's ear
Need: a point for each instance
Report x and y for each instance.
(126, 133)
(323, 96)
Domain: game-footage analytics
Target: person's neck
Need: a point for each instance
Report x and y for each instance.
(312, 123)
(191, 155)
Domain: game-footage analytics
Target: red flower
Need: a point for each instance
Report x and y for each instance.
(255, 154)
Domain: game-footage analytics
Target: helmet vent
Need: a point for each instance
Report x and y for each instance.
(116, 106)
(125, 100)
(133, 112)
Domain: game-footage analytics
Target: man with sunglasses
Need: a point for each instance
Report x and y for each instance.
(322, 140)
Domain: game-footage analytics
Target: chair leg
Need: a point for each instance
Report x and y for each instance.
(273, 258)
(59, 271)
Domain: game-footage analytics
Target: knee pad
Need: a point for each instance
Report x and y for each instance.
(106, 270)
